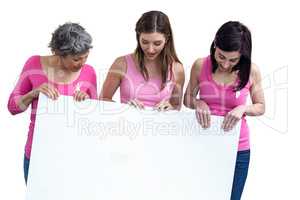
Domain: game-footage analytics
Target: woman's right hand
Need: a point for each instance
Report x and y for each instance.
(49, 90)
(203, 114)
(136, 103)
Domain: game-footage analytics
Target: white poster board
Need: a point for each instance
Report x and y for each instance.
(101, 150)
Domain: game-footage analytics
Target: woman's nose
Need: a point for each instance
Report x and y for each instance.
(150, 49)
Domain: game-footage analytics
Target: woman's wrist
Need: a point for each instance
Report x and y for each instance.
(25, 100)
(198, 102)
(244, 109)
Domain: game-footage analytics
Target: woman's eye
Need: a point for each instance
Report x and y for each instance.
(157, 44)
(221, 57)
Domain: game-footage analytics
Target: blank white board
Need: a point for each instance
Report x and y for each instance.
(102, 150)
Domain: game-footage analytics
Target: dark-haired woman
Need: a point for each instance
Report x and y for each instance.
(152, 76)
(63, 73)
(223, 80)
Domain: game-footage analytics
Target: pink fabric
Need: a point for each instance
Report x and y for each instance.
(222, 99)
(32, 76)
(134, 86)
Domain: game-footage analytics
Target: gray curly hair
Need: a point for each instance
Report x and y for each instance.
(70, 39)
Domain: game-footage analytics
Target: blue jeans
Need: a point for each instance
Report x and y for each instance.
(240, 174)
(26, 168)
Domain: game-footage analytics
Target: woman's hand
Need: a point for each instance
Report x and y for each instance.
(233, 117)
(136, 103)
(164, 105)
(203, 114)
(49, 90)
(80, 96)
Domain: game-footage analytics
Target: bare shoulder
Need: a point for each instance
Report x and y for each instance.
(197, 66)
(178, 72)
(255, 73)
(178, 68)
(119, 64)
(119, 67)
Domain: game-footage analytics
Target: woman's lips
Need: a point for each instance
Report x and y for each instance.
(151, 55)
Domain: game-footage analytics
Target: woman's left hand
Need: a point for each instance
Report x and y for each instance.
(164, 105)
(80, 96)
(232, 117)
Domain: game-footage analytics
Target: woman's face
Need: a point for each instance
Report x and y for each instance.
(74, 62)
(226, 59)
(152, 44)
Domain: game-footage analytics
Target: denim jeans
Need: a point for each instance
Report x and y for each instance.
(240, 174)
(26, 168)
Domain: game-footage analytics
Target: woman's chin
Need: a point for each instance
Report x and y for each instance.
(151, 57)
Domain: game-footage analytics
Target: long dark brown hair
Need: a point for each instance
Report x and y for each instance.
(151, 22)
(234, 36)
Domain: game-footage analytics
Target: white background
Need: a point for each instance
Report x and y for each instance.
(26, 28)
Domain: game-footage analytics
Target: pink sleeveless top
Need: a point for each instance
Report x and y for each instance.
(222, 99)
(134, 86)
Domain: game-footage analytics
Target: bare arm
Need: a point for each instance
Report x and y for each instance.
(179, 78)
(257, 94)
(113, 79)
(255, 109)
(190, 95)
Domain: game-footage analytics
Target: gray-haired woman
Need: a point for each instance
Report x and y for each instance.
(64, 72)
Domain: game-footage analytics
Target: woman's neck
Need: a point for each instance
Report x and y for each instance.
(152, 63)
(54, 61)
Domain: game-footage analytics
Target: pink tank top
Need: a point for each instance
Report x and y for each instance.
(222, 99)
(134, 86)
